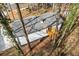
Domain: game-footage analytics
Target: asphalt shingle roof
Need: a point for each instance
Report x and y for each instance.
(34, 23)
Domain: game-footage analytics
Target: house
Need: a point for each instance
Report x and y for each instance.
(36, 27)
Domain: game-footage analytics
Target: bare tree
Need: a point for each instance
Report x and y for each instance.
(21, 19)
(11, 11)
(5, 24)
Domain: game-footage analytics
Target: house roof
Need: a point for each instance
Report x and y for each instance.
(34, 23)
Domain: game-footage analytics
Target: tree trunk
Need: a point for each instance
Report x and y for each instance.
(12, 11)
(12, 36)
(21, 19)
(1, 16)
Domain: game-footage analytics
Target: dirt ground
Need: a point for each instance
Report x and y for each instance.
(26, 13)
(71, 45)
